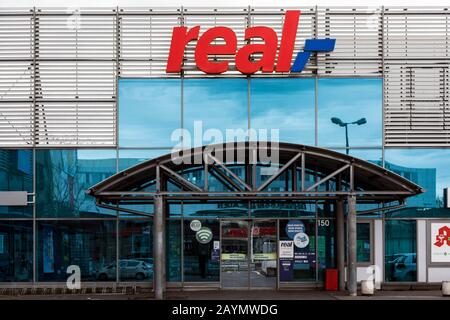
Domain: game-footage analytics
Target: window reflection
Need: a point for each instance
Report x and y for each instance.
(91, 245)
(136, 250)
(200, 261)
(16, 251)
(284, 104)
(149, 110)
(400, 251)
(363, 242)
(173, 250)
(219, 104)
(63, 176)
(426, 167)
(16, 170)
(350, 100)
(130, 158)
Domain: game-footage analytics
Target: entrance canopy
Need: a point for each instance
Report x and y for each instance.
(251, 171)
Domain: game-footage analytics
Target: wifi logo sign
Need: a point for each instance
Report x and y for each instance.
(204, 235)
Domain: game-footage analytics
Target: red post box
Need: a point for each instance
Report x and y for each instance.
(331, 279)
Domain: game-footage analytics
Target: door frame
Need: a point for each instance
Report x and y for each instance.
(250, 222)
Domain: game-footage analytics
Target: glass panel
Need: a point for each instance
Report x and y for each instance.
(216, 209)
(136, 248)
(263, 264)
(91, 245)
(201, 259)
(400, 250)
(282, 209)
(326, 208)
(130, 158)
(350, 101)
(273, 99)
(371, 155)
(301, 234)
(215, 182)
(326, 245)
(282, 183)
(16, 211)
(235, 255)
(173, 250)
(219, 104)
(428, 168)
(16, 174)
(16, 251)
(16, 170)
(63, 176)
(363, 242)
(149, 111)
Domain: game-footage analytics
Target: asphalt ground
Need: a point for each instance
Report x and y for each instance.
(244, 295)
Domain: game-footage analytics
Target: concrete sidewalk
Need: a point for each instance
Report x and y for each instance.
(245, 295)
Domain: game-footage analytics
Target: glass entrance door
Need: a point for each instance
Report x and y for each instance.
(234, 254)
(249, 254)
(263, 264)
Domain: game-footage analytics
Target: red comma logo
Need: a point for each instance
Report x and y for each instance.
(443, 237)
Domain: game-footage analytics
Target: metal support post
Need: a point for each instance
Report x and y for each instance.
(158, 247)
(340, 236)
(351, 265)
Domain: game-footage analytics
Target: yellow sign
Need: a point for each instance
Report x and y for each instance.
(233, 256)
(265, 256)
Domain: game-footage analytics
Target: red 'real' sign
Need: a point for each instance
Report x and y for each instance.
(181, 36)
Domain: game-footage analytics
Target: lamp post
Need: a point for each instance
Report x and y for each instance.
(341, 123)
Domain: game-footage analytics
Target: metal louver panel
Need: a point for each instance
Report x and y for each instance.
(416, 54)
(59, 67)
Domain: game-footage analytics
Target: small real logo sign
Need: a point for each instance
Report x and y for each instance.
(205, 47)
(286, 249)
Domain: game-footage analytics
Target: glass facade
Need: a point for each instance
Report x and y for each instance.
(363, 243)
(70, 229)
(91, 245)
(400, 251)
(16, 251)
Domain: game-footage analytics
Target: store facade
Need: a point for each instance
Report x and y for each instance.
(90, 94)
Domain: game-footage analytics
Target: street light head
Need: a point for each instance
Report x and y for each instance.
(361, 121)
(337, 121)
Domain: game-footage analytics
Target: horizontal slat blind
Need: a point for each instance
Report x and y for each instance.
(59, 67)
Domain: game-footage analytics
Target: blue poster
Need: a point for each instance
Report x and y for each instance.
(293, 227)
(215, 255)
(286, 270)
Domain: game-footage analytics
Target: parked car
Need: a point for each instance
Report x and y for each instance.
(402, 267)
(129, 269)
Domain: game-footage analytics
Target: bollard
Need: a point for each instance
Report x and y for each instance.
(367, 287)
(446, 288)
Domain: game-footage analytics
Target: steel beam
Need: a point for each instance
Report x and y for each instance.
(231, 173)
(340, 238)
(279, 172)
(180, 179)
(351, 264)
(158, 247)
(328, 177)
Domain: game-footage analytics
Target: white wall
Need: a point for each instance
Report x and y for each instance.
(421, 251)
(438, 274)
(366, 273)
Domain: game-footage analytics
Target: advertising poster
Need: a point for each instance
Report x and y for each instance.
(440, 242)
(286, 270)
(286, 249)
(48, 257)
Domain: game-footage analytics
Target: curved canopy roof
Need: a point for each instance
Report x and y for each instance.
(335, 175)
